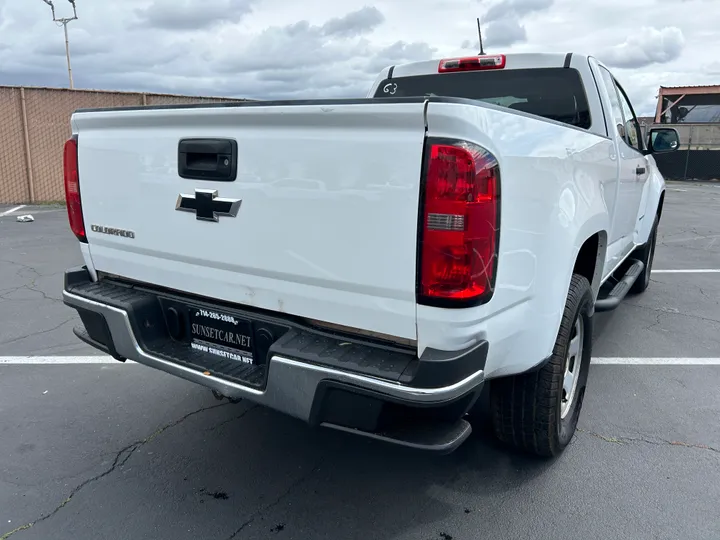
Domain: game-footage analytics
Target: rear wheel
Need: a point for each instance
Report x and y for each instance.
(646, 253)
(538, 412)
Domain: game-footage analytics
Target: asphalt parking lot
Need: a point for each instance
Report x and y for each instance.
(110, 450)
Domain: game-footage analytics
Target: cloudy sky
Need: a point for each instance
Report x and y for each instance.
(268, 49)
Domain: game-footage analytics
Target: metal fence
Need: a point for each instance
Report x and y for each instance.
(34, 125)
(697, 136)
(697, 158)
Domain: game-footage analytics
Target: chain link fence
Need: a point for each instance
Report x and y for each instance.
(34, 125)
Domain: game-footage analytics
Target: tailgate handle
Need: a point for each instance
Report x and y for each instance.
(208, 159)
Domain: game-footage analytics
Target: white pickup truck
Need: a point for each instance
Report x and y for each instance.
(371, 265)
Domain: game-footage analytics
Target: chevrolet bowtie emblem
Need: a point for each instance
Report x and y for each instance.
(207, 206)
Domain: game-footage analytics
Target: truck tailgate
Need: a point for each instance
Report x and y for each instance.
(327, 224)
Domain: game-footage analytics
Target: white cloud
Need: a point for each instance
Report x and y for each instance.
(501, 22)
(504, 32)
(645, 47)
(315, 48)
(192, 15)
(515, 9)
(355, 23)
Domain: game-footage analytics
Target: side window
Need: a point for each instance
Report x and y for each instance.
(617, 113)
(632, 126)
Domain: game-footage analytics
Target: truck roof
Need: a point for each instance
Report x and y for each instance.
(513, 61)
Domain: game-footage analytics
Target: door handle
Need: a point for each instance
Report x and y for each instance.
(207, 159)
(640, 170)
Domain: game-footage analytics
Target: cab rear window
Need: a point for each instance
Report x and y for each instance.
(553, 93)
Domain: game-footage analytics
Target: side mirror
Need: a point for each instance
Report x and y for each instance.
(662, 140)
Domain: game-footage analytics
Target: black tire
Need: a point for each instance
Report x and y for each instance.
(526, 409)
(646, 253)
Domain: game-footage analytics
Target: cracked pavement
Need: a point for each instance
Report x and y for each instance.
(123, 451)
(628, 440)
(33, 257)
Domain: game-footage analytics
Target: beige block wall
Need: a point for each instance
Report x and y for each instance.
(34, 125)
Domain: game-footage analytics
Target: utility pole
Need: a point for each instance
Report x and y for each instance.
(482, 51)
(64, 22)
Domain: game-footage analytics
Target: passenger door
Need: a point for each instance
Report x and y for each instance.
(633, 170)
(633, 132)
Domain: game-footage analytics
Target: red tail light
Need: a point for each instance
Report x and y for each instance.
(72, 189)
(472, 63)
(460, 224)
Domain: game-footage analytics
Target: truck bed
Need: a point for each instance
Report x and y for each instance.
(327, 227)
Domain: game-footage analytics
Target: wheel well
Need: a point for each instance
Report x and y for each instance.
(660, 203)
(588, 258)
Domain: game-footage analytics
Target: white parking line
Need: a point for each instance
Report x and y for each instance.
(657, 361)
(65, 360)
(691, 239)
(688, 271)
(8, 212)
(59, 360)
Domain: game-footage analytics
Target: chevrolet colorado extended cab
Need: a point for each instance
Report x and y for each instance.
(372, 265)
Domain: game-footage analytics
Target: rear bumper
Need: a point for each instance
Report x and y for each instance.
(306, 390)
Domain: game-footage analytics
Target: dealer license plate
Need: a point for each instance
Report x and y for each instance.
(221, 334)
